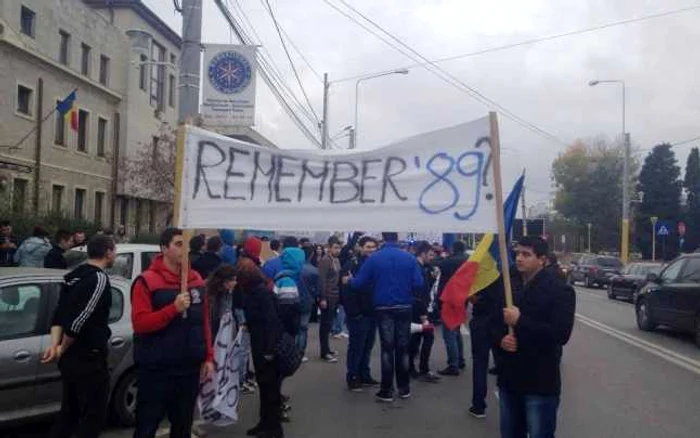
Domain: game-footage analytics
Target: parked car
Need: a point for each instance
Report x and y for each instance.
(594, 270)
(132, 258)
(672, 298)
(30, 389)
(632, 277)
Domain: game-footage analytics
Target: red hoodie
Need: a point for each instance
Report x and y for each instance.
(151, 313)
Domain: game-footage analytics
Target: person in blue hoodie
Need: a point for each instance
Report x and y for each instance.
(393, 274)
(228, 253)
(275, 265)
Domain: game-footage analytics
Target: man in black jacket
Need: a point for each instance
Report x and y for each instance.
(453, 338)
(211, 259)
(422, 343)
(55, 259)
(79, 335)
(360, 320)
(529, 357)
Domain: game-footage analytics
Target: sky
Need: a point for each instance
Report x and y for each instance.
(545, 83)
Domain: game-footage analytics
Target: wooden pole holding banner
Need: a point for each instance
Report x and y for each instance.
(177, 190)
(502, 249)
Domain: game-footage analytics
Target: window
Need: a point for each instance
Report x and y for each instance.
(171, 91)
(691, 271)
(104, 70)
(143, 73)
(117, 309)
(19, 310)
(123, 211)
(152, 217)
(83, 122)
(101, 136)
(19, 195)
(85, 59)
(671, 273)
(147, 258)
(60, 131)
(64, 50)
(79, 204)
(27, 19)
(123, 265)
(157, 76)
(99, 206)
(57, 198)
(25, 97)
(173, 60)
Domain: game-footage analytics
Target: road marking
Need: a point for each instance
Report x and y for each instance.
(664, 353)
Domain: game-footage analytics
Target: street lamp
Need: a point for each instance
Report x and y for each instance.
(624, 250)
(590, 225)
(401, 71)
(654, 220)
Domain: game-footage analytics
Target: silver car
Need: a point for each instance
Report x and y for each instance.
(28, 388)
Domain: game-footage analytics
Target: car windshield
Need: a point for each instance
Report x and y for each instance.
(75, 258)
(609, 262)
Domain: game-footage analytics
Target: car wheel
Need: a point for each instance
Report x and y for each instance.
(124, 399)
(644, 320)
(611, 294)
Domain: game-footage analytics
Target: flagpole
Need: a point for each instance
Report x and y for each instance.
(502, 249)
(177, 191)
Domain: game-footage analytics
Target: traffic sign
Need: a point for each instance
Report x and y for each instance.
(663, 231)
(665, 227)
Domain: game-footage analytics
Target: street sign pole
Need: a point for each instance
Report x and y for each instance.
(653, 237)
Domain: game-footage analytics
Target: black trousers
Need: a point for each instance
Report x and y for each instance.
(324, 327)
(85, 395)
(166, 392)
(270, 386)
(415, 348)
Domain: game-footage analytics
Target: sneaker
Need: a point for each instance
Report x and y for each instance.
(429, 377)
(247, 389)
(333, 353)
(286, 407)
(449, 371)
(413, 373)
(338, 336)
(493, 371)
(304, 359)
(255, 431)
(405, 393)
(477, 413)
(285, 418)
(462, 365)
(369, 382)
(329, 358)
(355, 386)
(384, 396)
(344, 335)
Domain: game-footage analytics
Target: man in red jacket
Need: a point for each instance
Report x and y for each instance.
(172, 345)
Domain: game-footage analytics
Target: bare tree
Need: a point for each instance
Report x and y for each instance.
(149, 172)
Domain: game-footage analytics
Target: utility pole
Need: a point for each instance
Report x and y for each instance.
(654, 219)
(524, 211)
(590, 225)
(351, 135)
(324, 122)
(190, 60)
(625, 192)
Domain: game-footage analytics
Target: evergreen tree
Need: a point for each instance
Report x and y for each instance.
(660, 182)
(692, 186)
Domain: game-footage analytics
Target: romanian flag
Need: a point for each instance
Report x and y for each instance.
(480, 270)
(69, 110)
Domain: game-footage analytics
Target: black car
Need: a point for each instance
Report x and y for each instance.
(631, 279)
(672, 298)
(594, 270)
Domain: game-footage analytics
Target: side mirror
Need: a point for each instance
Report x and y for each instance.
(653, 278)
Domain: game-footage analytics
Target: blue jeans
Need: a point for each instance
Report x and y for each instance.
(528, 415)
(363, 332)
(454, 346)
(481, 346)
(303, 335)
(394, 334)
(339, 321)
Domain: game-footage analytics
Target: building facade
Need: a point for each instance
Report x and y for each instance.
(126, 87)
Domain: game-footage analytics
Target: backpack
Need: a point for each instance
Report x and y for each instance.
(286, 289)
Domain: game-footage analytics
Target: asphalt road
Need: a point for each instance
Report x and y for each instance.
(618, 382)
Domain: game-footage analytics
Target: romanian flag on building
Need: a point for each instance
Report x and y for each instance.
(480, 270)
(69, 110)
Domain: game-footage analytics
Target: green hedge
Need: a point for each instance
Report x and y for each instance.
(23, 224)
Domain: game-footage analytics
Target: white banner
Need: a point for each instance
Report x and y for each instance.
(228, 91)
(441, 181)
(219, 395)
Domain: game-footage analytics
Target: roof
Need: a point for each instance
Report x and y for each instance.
(144, 12)
(127, 247)
(6, 273)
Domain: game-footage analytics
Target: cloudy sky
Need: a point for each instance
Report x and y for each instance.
(544, 83)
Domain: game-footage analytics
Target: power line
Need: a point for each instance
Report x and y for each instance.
(268, 77)
(540, 39)
(452, 80)
(291, 63)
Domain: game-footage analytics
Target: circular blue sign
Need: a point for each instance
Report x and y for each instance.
(229, 72)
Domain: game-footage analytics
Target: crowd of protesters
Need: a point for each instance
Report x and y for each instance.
(385, 288)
